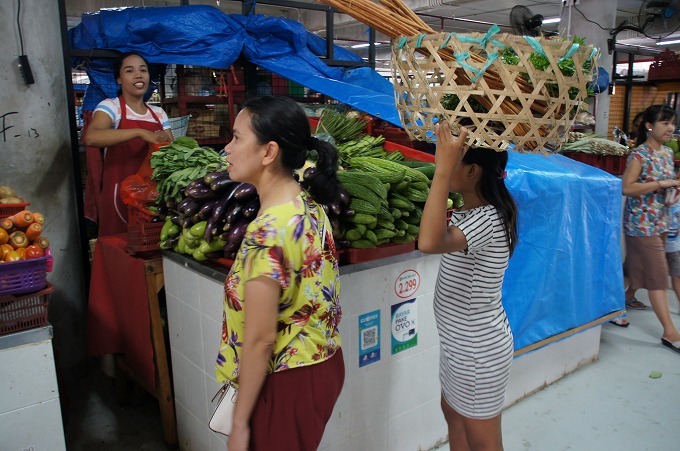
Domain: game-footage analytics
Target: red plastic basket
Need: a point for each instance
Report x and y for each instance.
(7, 210)
(143, 235)
(351, 255)
(23, 276)
(613, 164)
(21, 312)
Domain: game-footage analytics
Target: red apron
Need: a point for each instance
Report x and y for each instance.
(121, 161)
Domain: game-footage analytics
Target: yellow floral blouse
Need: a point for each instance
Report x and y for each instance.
(284, 243)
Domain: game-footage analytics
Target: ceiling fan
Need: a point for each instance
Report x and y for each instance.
(656, 19)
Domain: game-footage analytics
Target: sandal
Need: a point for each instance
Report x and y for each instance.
(621, 322)
(673, 346)
(634, 304)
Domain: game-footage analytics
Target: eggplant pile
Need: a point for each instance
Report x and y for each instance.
(211, 219)
(338, 211)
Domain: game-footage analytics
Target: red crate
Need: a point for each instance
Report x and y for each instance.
(613, 164)
(350, 255)
(408, 152)
(143, 231)
(7, 210)
(23, 276)
(26, 311)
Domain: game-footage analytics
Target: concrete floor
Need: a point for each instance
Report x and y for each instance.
(611, 404)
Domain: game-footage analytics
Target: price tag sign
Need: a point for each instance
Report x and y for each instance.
(407, 284)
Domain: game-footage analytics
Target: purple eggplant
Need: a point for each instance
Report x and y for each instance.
(220, 184)
(343, 196)
(214, 254)
(232, 246)
(211, 176)
(235, 213)
(342, 244)
(175, 219)
(220, 208)
(198, 183)
(190, 208)
(348, 212)
(335, 208)
(210, 228)
(206, 209)
(237, 231)
(251, 208)
(309, 173)
(200, 192)
(245, 192)
(187, 222)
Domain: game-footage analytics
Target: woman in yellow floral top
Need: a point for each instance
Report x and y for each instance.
(280, 340)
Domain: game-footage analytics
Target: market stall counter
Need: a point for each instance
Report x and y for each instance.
(564, 280)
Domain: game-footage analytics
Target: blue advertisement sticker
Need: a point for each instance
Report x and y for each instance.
(369, 338)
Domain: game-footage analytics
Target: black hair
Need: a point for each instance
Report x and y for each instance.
(655, 113)
(492, 187)
(118, 65)
(282, 120)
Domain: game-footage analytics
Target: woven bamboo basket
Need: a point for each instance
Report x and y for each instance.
(503, 105)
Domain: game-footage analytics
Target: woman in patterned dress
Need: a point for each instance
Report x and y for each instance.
(476, 344)
(649, 171)
(280, 340)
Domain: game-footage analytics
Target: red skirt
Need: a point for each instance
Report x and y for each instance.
(295, 405)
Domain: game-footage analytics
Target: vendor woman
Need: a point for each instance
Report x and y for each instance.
(124, 127)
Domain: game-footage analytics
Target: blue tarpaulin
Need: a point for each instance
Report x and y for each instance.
(566, 270)
(201, 35)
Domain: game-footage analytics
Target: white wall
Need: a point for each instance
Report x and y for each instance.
(36, 157)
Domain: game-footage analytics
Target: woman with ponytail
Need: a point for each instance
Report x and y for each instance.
(280, 340)
(476, 341)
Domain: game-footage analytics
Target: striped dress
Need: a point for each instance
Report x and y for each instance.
(475, 336)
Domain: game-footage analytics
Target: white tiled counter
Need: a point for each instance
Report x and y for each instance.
(30, 412)
(390, 404)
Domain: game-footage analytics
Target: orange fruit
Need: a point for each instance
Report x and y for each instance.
(34, 251)
(4, 249)
(13, 256)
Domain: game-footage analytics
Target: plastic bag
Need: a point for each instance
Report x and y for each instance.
(139, 190)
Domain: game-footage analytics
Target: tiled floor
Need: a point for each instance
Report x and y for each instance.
(609, 405)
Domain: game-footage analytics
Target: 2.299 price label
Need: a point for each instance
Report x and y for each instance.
(407, 283)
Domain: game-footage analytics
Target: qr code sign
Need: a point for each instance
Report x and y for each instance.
(369, 338)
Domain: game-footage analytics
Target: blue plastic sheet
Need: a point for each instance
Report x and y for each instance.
(202, 35)
(566, 270)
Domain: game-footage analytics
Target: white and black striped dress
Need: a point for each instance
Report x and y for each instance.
(476, 340)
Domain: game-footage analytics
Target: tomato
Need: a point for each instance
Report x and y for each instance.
(4, 249)
(12, 256)
(4, 236)
(21, 251)
(34, 251)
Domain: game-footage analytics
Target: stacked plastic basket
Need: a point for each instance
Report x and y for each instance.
(24, 290)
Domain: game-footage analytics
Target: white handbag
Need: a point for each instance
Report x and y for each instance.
(222, 417)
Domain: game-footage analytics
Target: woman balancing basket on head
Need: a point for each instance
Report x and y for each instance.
(510, 91)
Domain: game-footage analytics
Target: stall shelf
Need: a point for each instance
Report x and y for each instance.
(563, 282)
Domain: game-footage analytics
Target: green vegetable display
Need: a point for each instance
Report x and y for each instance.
(179, 163)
